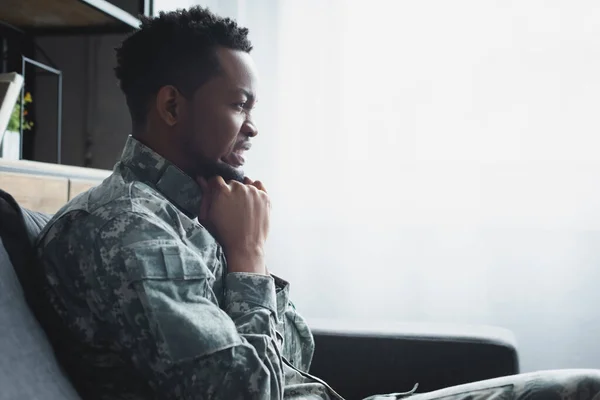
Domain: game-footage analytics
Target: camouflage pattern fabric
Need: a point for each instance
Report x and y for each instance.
(144, 291)
(546, 385)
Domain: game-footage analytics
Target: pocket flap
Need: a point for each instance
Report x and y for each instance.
(166, 259)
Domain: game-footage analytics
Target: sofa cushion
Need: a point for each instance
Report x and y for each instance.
(28, 368)
(34, 223)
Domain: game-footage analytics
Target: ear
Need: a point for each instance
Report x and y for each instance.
(169, 104)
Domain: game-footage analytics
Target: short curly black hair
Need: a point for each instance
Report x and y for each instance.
(175, 48)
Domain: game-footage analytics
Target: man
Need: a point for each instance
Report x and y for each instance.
(158, 275)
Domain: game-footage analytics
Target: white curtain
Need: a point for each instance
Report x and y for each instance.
(435, 161)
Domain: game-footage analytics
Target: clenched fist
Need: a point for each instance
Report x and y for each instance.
(237, 214)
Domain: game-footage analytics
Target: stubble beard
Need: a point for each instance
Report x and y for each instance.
(209, 170)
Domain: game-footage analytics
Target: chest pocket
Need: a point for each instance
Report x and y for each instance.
(183, 314)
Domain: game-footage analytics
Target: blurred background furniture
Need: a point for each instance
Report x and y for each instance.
(362, 358)
(52, 38)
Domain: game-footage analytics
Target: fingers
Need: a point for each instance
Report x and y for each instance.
(259, 185)
(218, 183)
(209, 188)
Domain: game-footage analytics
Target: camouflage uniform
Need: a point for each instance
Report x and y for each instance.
(143, 290)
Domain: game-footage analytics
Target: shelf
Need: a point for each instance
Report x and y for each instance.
(57, 16)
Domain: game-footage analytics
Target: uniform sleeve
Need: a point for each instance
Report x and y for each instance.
(171, 325)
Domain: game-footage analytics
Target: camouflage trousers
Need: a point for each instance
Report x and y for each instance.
(545, 385)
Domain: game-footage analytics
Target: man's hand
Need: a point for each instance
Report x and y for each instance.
(238, 215)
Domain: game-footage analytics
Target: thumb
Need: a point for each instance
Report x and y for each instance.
(203, 184)
(206, 199)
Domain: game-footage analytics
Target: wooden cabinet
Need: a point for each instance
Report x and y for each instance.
(46, 187)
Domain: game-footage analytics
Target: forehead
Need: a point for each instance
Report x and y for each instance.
(237, 67)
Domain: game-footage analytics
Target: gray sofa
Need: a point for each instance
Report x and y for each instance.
(355, 360)
(28, 366)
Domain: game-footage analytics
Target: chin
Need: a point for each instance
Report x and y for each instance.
(234, 174)
(225, 171)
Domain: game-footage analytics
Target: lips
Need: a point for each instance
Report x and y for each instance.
(237, 157)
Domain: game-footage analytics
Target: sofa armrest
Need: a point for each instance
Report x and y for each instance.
(362, 359)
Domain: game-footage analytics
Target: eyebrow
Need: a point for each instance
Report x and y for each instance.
(251, 97)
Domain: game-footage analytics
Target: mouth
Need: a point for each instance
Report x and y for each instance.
(237, 157)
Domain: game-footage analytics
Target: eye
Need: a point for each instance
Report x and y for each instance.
(241, 106)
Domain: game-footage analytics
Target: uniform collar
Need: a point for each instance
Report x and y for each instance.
(156, 171)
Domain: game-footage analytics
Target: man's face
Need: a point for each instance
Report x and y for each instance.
(217, 126)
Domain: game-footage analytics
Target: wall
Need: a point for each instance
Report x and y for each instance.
(438, 161)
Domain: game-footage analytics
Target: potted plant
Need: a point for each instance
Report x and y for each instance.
(11, 144)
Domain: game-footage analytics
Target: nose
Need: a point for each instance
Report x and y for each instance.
(249, 129)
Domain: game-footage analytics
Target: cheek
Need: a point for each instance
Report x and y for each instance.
(215, 133)
(227, 130)
(194, 137)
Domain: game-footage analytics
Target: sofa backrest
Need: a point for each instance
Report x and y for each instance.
(360, 359)
(28, 367)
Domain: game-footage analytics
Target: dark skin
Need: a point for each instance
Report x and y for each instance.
(206, 136)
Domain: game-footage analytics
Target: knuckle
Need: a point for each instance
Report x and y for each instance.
(222, 189)
(252, 189)
(219, 184)
(265, 198)
(235, 185)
